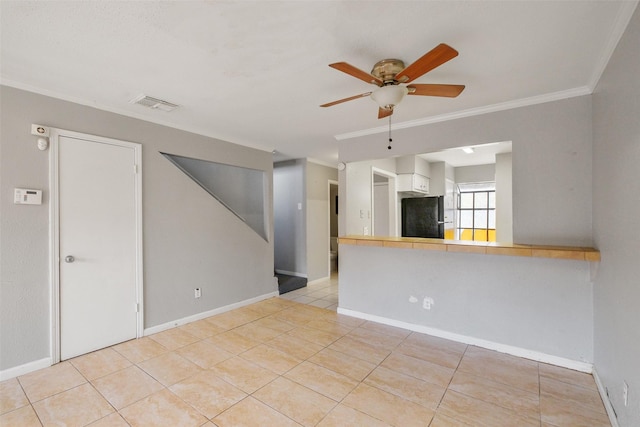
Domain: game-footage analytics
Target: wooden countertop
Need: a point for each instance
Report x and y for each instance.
(489, 248)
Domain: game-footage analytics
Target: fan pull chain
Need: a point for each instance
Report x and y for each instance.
(390, 140)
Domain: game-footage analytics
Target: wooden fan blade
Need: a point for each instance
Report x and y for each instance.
(362, 95)
(383, 112)
(450, 91)
(356, 72)
(430, 60)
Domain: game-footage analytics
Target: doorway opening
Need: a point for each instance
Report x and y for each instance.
(384, 203)
(333, 227)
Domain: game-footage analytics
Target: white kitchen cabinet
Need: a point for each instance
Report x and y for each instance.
(412, 183)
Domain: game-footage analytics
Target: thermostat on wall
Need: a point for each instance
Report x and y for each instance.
(24, 196)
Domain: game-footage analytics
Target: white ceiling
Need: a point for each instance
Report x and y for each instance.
(255, 72)
(483, 154)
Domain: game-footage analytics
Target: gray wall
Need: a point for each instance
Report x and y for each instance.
(290, 240)
(476, 173)
(551, 157)
(317, 180)
(616, 224)
(190, 240)
(537, 304)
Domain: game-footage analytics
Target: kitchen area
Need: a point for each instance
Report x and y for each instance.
(456, 194)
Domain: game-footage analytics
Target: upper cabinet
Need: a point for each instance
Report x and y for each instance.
(412, 183)
(413, 175)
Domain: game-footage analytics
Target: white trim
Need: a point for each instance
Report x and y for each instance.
(54, 231)
(16, 371)
(54, 252)
(205, 314)
(490, 345)
(622, 21)
(605, 399)
(540, 99)
(291, 273)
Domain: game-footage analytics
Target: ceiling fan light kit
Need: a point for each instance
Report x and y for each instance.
(392, 78)
(388, 97)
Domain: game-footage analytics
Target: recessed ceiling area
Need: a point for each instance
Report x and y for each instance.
(256, 72)
(482, 154)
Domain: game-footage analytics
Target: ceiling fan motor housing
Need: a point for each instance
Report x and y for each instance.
(387, 69)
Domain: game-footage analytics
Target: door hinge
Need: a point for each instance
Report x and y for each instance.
(135, 168)
(137, 307)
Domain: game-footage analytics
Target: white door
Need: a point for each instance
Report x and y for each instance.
(97, 245)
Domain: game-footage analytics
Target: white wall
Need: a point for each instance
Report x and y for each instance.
(290, 219)
(437, 178)
(504, 198)
(356, 195)
(190, 239)
(381, 209)
(616, 224)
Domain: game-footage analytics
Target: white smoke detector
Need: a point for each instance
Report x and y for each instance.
(155, 103)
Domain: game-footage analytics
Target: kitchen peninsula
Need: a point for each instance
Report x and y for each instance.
(490, 248)
(528, 300)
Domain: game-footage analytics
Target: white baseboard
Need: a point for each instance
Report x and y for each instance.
(490, 345)
(25, 369)
(605, 399)
(46, 362)
(291, 273)
(205, 314)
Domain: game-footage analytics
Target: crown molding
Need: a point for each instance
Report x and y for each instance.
(622, 21)
(540, 99)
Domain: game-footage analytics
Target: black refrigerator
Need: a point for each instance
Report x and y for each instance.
(423, 217)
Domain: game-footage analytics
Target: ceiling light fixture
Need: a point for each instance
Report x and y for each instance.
(468, 150)
(389, 96)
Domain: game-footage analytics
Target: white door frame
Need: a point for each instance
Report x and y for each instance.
(54, 230)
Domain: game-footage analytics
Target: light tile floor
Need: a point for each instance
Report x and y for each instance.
(282, 363)
(323, 294)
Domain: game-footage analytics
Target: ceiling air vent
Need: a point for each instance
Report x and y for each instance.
(155, 103)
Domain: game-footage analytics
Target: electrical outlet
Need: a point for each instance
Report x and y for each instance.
(625, 393)
(197, 292)
(427, 303)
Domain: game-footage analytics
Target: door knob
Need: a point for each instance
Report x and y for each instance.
(69, 259)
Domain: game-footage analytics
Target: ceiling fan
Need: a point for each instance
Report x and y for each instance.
(391, 76)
